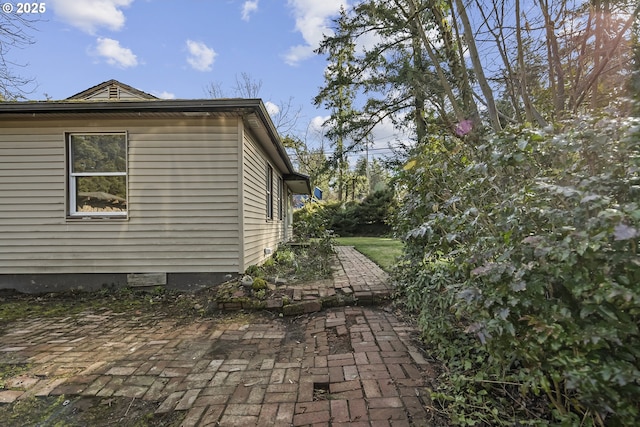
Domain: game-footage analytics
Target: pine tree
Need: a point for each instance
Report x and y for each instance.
(337, 97)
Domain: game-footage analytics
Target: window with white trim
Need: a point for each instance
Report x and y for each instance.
(280, 199)
(269, 192)
(97, 167)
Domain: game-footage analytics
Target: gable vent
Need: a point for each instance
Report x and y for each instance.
(113, 92)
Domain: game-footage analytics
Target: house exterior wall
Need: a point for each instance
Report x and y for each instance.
(183, 202)
(260, 233)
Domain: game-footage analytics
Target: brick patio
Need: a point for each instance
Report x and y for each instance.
(347, 366)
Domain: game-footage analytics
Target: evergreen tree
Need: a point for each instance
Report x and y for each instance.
(338, 97)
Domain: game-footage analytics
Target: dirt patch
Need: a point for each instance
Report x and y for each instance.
(86, 411)
(230, 349)
(321, 391)
(296, 328)
(338, 344)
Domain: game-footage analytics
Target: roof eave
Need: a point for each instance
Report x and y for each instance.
(241, 105)
(298, 183)
(159, 105)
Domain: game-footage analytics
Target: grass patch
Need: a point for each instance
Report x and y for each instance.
(24, 307)
(381, 250)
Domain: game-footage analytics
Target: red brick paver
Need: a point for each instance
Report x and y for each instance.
(349, 366)
(368, 282)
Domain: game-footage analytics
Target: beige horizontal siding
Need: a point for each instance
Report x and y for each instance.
(183, 200)
(259, 233)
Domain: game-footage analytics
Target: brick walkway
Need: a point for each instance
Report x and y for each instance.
(369, 283)
(348, 366)
(356, 280)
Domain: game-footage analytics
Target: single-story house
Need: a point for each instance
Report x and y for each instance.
(114, 186)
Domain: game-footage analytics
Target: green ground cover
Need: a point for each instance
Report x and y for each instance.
(383, 251)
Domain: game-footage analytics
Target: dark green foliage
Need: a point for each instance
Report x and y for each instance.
(522, 259)
(370, 217)
(375, 211)
(99, 153)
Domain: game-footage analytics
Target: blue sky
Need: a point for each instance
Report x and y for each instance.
(176, 48)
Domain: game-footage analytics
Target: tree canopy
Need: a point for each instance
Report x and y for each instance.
(517, 195)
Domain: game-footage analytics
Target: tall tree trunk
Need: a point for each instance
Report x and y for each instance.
(477, 67)
(458, 66)
(555, 63)
(530, 111)
(414, 16)
(418, 93)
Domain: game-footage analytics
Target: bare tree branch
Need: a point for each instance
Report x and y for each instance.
(14, 34)
(247, 86)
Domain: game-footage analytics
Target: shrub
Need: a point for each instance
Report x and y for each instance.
(285, 256)
(371, 216)
(375, 213)
(259, 284)
(521, 258)
(310, 221)
(254, 271)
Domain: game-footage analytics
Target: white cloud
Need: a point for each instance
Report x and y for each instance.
(317, 125)
(201, 56)
(249, 7)
(385, 133)
(272, 108)
(115, 54)
(313, 19)
(297, 54)
(90, 15)
(164, 95)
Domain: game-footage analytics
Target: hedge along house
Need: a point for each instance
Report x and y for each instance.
(114, 186)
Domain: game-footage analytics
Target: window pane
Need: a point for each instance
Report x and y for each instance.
(101, 194)
(99, 153)
(269, 192)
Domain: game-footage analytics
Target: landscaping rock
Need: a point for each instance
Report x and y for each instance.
(274, 303)
(293, 309)
(312, 306)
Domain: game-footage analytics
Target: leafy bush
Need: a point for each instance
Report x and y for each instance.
(375, 212)
(310, 221)
(318, 256)
(311, 261)
(521, 258)
(369, 217)
(254, 271)
(285, 256)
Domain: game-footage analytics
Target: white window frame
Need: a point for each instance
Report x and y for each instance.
(280, 198)
(72, 176)
(269, 193)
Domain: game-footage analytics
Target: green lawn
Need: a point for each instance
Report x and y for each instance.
(382, 250)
